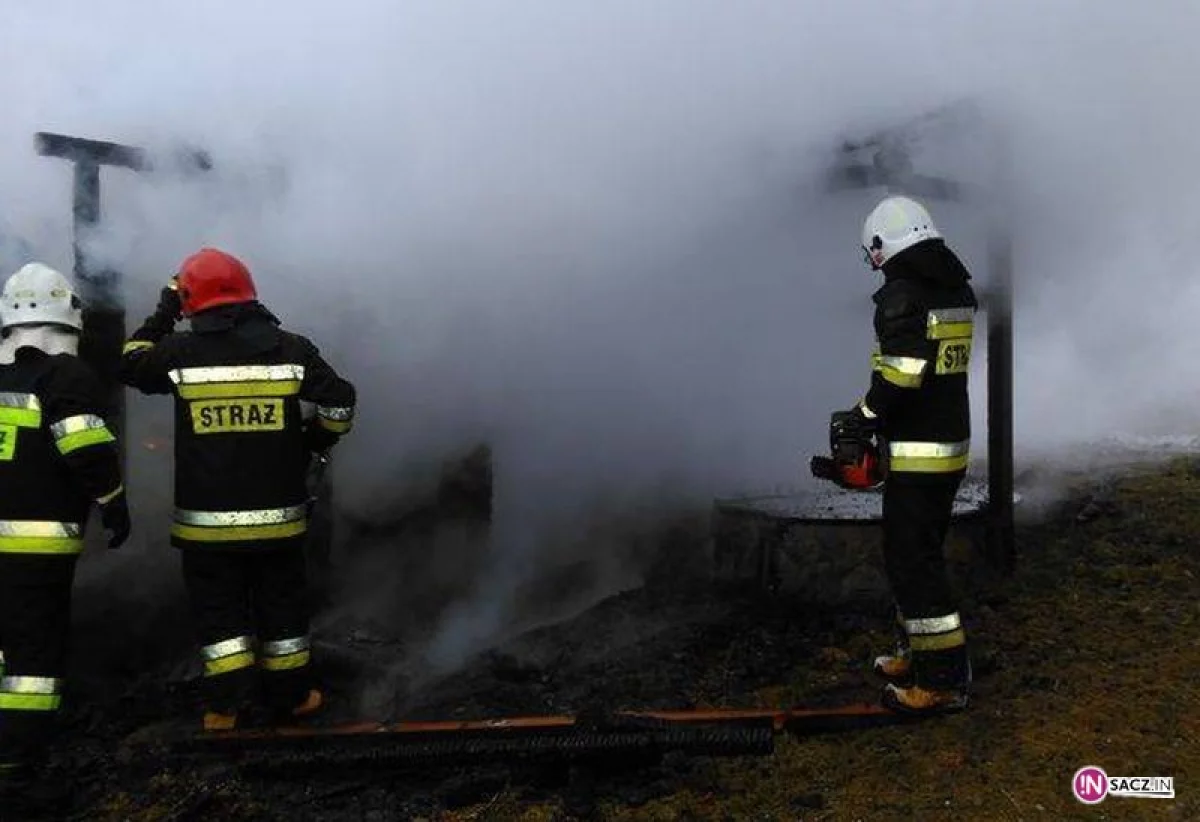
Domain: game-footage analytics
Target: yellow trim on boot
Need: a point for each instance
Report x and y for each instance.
(214, 721)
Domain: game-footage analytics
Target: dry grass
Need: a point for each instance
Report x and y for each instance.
(1094, 657)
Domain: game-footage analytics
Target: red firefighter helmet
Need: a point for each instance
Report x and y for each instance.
(210, 278)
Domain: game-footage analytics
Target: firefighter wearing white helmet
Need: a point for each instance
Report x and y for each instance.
(57, 459)
(917, 409)
(892, 226)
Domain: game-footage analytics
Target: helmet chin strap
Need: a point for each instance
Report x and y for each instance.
(51, 339)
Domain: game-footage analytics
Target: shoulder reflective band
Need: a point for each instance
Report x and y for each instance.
(337, 420)
(905, 372)
(228, 655)
(231, 526)
(136, 345)
(285, 654)
(215, 382)
(21, 410)
(944, 323)
(929, 457)
(935, 633)
(30, 693)
(80, 431)
(40, 537)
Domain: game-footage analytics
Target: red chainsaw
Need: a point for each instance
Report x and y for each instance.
(856, 460)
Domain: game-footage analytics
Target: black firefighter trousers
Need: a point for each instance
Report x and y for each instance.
(916, 518)
(35, 624)
(251, 611)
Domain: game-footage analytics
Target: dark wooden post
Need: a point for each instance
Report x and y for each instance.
(1000, 534)
(104, 305)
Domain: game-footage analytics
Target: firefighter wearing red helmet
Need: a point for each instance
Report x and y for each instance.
(918, 407)
(242, 452)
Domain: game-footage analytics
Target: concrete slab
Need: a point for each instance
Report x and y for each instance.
(823, 544)
(832, 505)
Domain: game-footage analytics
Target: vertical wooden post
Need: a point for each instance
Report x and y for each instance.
(1001, 541)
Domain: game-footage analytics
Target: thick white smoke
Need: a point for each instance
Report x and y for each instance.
(590, 233)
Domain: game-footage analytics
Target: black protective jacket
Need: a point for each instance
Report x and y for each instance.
(924, 323)
(242, 444)
(57, 454)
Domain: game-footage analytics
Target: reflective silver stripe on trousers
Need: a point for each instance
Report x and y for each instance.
(30, 685)
(335, 413)
(283, 647)
(236, 373)
(933, 625)
(228, 647)
(929, 449)
(38, 528)
(73, 425)
(905, 365)
(216, 519)
(15, 399)
(945, 316)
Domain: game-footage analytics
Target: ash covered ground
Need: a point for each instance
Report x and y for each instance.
(1087, 655)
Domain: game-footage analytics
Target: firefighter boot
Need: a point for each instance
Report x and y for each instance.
(217, 721)
(897, 666)
(932, 695)
(311, 705)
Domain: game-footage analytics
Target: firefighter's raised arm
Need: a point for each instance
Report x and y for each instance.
(144, 362)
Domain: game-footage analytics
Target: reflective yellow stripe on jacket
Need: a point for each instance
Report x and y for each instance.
(905, 372)
(946, 323)
(335, 419)
(80, 431)
(136, 345)
(233, 526)
(19, 536)
(21, 410)
(30, 693)
(929, 457)
(224, 381)
(952, 329)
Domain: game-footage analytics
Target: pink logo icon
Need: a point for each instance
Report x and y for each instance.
(1090, 785)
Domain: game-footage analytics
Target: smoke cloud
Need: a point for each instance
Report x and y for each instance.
(594, 235)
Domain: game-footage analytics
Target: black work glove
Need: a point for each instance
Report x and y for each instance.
(115, 516)
(318, 439)
(849, 432)
(170, 305)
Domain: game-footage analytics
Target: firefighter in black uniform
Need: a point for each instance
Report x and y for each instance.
(917, 407)
(57, 458)
(242, 452)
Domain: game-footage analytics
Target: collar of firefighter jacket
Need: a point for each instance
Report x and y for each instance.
(927, 260)
(225, 317)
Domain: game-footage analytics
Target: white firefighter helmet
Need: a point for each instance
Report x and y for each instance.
(39, 295)
(894, 225)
